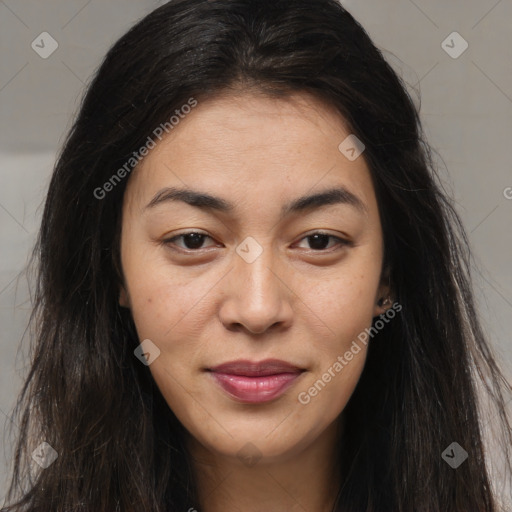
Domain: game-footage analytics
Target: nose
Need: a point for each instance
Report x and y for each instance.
(257, 297)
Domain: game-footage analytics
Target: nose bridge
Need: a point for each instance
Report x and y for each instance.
(257, 298)
(257, 276)
(255, 266)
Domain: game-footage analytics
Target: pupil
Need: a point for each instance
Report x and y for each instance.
(194, 239)
(316, 238)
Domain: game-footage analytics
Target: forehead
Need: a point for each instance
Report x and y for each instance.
(252, 147)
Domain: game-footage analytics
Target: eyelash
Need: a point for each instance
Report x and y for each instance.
(170, 241)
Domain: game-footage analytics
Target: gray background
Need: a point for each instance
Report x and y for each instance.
(466, 107)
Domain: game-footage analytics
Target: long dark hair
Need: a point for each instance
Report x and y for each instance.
(119, 445)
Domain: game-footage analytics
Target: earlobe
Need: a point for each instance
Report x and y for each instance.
(384, 299)
(382, 305)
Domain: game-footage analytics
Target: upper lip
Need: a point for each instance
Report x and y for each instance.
(256, 369)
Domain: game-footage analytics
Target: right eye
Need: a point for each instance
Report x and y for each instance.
(193, 240)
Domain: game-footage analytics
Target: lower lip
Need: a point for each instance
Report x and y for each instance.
(255, 390)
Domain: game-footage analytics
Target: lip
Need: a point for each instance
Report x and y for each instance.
(255, 382)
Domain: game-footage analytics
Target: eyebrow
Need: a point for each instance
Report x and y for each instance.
(204, 201)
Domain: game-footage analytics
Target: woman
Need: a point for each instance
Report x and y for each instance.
(197, 347)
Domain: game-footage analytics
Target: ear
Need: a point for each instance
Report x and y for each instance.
(383, 300)
(124, 299)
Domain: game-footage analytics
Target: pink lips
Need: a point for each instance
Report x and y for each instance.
(251, 382)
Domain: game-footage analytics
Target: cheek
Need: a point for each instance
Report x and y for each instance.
(172, 316)
(161, 299)
(344, 305)
(173, 313)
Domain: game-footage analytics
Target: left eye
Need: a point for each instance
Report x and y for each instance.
(193, 240)
(318, 241)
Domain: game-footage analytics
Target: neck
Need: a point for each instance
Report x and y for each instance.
(305, 478)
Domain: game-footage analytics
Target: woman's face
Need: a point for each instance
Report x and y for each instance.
(255, 284)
